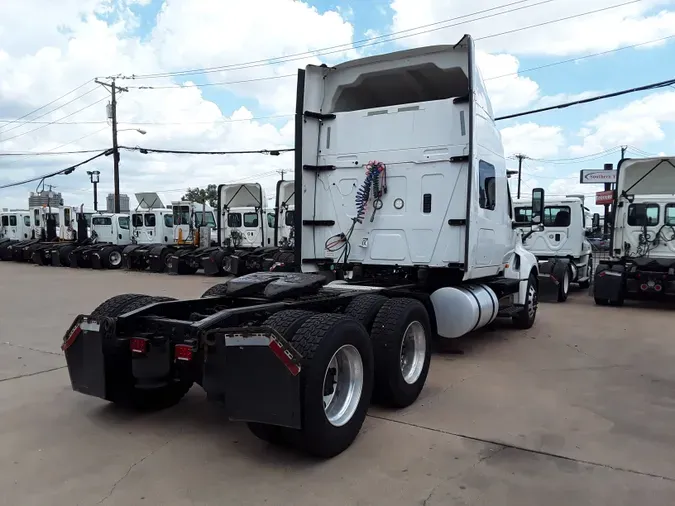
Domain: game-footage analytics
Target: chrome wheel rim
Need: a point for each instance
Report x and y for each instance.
(566, 282)
(413, 352)
(342, 385)
(115, 258)
(531, 301)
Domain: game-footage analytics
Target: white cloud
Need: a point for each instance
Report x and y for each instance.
(532, 139)
(630, 24)
(639, 122)
(44, 56)
(507, 90)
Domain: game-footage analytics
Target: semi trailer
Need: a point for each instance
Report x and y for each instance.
(404, 233)
(642, 243)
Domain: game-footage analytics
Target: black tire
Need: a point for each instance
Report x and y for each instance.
(114, 305)
(388, 332)
(601, 302)
(64, 255)
(112, 257)
(563, 292)
(525, 319)
(216, 290)
(318, 340)
(584, 285)
(120, 304)
(364, 309)
(287, 324)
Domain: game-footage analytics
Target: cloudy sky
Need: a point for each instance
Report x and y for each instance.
(533, 53)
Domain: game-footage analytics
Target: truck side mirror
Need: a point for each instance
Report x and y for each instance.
(596, 221)
(640, 214)
(538, 207)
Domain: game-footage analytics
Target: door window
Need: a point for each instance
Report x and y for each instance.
(123, 222)
(487, 187)
(26, 221)
(12, 221)
(250, 219)
(168, 220)
(150, 220)
(557, 216)
(137, 220)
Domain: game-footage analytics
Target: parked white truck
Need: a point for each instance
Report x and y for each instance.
(404, 232)
(562, 250)
(642, 244)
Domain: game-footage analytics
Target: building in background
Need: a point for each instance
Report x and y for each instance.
(45, 198)
(110, 203)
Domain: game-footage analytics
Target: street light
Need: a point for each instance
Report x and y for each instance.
(94, 177)
(139, 130)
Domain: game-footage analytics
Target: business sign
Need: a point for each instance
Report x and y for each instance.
(597, 176)
(604, 198)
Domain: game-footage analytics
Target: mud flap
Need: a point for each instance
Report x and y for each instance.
(213, 264)
(83, 347)
(609, 283)
(550, 276)
(256, 373)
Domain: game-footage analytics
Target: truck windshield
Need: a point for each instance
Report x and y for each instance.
(209, 221)
(250, 219)
(181, 215)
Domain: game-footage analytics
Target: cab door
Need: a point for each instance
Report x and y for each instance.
(149, 228)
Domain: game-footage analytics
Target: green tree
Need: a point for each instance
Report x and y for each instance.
(201, 195)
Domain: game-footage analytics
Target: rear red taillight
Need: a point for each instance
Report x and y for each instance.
(658, 288)
(138, 345)
(184, 352)
(643, 287)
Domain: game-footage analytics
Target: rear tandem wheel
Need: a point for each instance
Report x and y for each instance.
(123, 390)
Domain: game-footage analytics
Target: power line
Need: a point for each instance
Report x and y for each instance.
(646, 87)
(584, 57)
(340, 47)
(272, 152)
(47, 104)
(51, 123)
(50, 111)
(50, 153)
(67, 170)
(323, 52)
(501, 76)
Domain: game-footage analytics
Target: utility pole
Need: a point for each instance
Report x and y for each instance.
(113, 88)
(282, 172)
(623, 151)
(520, 171)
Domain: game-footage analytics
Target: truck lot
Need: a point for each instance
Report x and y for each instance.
(577, 410)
